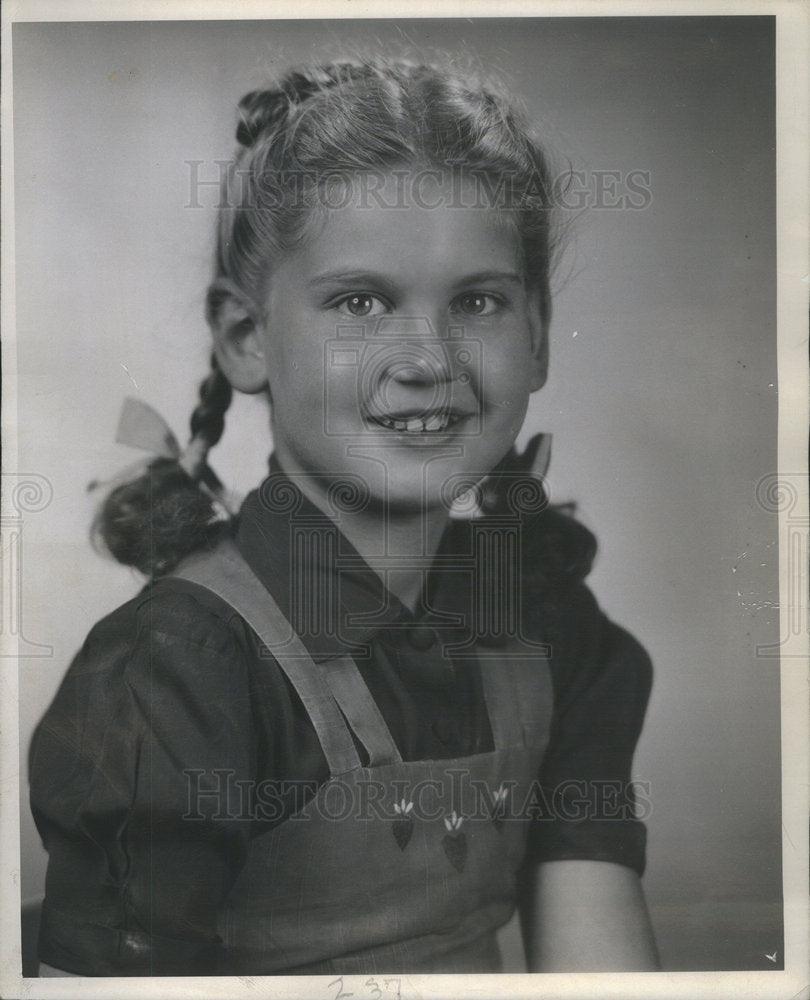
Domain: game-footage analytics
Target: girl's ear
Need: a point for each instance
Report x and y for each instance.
(539, 319)
(238, 340)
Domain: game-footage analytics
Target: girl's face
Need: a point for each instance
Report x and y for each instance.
(401, 347)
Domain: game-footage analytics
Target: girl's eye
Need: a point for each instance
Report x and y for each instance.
(362, 305)
(476, 304)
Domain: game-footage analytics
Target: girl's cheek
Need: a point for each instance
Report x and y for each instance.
(508, 359)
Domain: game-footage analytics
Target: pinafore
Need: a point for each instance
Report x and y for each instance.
(393, 866)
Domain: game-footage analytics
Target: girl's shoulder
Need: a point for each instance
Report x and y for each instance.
(165, 669)
(167, 618)
(558, 553)
(167, 661)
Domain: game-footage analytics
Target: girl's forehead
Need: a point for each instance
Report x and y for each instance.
(416, 217)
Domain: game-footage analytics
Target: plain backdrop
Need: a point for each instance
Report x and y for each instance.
(662, 397)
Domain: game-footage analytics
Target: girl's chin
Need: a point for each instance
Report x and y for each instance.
(407, 485)
(416, 497)
(408, 502)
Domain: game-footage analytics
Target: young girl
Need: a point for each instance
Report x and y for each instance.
(353, 727)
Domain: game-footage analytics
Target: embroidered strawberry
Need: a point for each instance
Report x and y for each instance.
(455, 842)
(497, 808)
(402, 826)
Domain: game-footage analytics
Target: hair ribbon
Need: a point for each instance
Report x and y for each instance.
(141, 426)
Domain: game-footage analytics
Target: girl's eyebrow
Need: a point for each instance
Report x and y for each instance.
(352, 278)
(375, 278)
(481, 277)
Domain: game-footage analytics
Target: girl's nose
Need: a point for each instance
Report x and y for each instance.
(417, 367)
(410, 351)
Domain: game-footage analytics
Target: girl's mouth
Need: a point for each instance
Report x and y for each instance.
(427, 423)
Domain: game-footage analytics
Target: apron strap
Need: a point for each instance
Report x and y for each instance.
(519, 698)
(351, 693)
(225, 573)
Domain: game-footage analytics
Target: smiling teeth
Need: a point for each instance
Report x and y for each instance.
(414, 425)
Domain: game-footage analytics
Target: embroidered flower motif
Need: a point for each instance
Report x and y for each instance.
(454, 841)
(453, 821)
(402, 826)
(497, 808)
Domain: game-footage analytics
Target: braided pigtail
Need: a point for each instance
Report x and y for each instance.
(155, 520)
(207, 424)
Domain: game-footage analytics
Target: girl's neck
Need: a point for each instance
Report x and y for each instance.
(399, 545)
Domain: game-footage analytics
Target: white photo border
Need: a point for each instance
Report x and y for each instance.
(793, 211)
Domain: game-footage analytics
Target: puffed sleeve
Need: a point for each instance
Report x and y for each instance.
(590, 808)
(154, 710)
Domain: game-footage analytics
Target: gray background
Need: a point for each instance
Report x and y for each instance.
(662, 397)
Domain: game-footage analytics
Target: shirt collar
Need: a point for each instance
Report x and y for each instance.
(332, 597)
(323, 586)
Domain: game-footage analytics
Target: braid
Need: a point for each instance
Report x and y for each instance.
(156, 520)
(208, 418)
(265, 111)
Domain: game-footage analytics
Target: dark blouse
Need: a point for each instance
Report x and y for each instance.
(173, 741)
